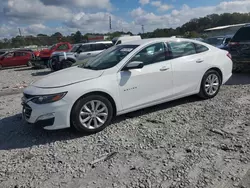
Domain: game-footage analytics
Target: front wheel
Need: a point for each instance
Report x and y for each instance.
(210, 84)
(91, 114)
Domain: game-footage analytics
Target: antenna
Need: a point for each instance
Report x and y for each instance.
(142, 28)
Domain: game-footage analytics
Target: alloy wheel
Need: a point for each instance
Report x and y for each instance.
(93, 114)
(212, 84)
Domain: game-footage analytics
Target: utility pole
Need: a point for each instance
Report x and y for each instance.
(142, 28)
(110, 23)
(20, 33)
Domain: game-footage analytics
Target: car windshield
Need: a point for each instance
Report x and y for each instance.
(215, 41)
(109, 58)
(51, 47)
(75, 48)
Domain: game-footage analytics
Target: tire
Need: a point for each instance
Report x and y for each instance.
(29, 64)
(66, 64)
(206, 84)
(87, 116)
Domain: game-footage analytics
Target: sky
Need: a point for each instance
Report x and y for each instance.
(92, 16)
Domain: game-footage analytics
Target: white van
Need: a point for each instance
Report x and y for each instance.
(121, 40)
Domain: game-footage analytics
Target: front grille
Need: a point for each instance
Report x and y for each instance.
(27, 110)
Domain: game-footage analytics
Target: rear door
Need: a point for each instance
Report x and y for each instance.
(189, 61)
(84, 52)
(20, 59)
(239, 46)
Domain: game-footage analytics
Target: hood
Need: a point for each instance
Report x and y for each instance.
(67, 77)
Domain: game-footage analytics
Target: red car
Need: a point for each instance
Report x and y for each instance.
(42, 57)
(16, 58)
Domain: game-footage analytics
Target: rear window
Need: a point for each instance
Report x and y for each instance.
(243, 34)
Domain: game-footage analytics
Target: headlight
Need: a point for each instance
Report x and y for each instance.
(43, 99)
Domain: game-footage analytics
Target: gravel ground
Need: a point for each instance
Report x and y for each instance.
(186, 143)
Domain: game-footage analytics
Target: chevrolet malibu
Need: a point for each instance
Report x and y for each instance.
(125, 78)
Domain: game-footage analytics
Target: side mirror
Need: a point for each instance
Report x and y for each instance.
(80, 51)
(134, 65)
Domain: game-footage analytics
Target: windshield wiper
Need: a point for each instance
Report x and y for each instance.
(89, 67)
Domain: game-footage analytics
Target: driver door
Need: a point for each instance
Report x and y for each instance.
(84, 52)
(152, 83)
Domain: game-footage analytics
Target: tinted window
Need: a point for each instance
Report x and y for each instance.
(85, 48)
(63, 47)
(200, 48)
(119, 42)
(151, 54)
(18, 54)
(9, 55)
(243, 34)
(99, 46)
(215, 41)
(108, 45)
(180, 49)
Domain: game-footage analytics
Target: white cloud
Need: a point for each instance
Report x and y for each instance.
(98, 4)
(161, 6)
(143, 2)
(32, 16)
(137, 12)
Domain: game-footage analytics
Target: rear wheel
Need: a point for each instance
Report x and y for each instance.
(91, 114)
(210, 84)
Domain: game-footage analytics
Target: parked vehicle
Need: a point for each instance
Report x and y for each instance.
(79, 52)
(15, 58)
(239, 47)
(219, 41)
(42, 57)
(126, 78)
(121, 40)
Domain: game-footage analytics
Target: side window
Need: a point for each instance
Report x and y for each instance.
(10, 55)
(200, 48)
(62, 47)
(99, 46)
(119, 42)
(18, 54)
(180, 49)
(108, 45)
(85, 48)
(151, 54)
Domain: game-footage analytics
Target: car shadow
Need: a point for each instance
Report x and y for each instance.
(42, 73)
(239, 79)
(16, 134)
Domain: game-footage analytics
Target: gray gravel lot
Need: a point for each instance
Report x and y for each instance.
(186, 143)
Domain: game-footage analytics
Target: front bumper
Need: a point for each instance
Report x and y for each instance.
(53, 116)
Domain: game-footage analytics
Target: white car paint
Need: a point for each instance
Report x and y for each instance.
(124, 39)
(131, 90)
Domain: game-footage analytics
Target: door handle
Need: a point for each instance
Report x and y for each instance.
(88, 53)
(199, 61)
(164, 69)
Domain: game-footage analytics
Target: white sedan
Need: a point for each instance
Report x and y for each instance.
(126, 78)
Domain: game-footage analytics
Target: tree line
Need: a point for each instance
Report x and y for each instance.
(193, 28)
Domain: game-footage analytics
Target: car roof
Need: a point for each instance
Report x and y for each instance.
(151, 40)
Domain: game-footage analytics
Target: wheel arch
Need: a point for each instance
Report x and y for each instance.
(101, 93)
(218, 70)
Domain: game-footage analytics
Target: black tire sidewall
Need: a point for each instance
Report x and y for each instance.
(67, 63)
(75, 122)
(203, 90)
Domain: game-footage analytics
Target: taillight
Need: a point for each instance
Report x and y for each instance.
(229, 55)
(233, 43)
